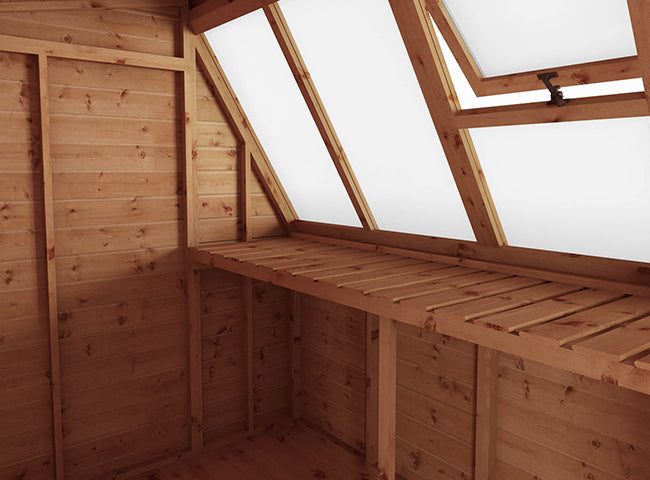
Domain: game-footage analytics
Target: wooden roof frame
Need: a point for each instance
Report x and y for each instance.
(578, 74)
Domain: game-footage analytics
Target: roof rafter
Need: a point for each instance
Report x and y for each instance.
(241, 124)
(319, 113)
(86, 4)
(579, 74)
(213, 13)
(419, 36)
(640, 16)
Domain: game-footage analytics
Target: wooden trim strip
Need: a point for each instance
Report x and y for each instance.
(640, 16)
(387, 399)
(242, 126)
(486, 413)
(50, 264)
(191, 236)
(92, 54)
(372, 387)
(87, 4)
(295, 352)
(419, 37)
(319, 113)
(592, 108)
(247, 354)
(594, 272)
(244, 220)
(213, 13)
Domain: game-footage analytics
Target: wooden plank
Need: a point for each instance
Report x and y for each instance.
(372, 387)
(486, 410)
(247, 353)
(589, 322)
(387, 398)
(591, 108)
(643, 362)
(319, 113)
(382, 274)
(547, 310)
(92, 54)
(426, 56)
(510, 300)
(244, 176)
(239, 121)
(640, 16)
(412, 281)
(295, 355)
(213, 13)
(86, 4)
(593, 272)
(621, 343)
(50, 262)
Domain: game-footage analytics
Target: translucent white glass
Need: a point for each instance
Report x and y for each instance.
(357, 59)
(510, 36)
(261, 79)
(578, 187)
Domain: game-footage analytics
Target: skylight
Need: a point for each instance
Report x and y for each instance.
(261, 79)
(510, 36)
(578, 187)
(357, 59)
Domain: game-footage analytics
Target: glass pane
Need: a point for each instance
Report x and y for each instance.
(261, 79)
(578, 187)
(357, 59)
(510, 36)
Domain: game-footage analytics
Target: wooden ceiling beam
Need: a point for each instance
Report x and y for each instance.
(419, 36)
(319, 113)
(591, 108)
(87, 4)
(213, 13)
(238, 119)
(570, 75)
(640, 16)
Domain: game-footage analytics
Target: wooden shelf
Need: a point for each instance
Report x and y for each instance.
(593, 332)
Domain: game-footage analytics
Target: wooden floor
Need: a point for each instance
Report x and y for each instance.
(287, 451)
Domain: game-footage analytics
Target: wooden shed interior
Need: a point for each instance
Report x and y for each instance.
(459, 290)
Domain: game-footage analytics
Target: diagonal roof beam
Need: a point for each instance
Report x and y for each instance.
(319, 113)
(213, 13)
(237, 118)
(424, 51)
(640, 16)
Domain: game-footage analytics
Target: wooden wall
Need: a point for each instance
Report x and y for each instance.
(119, 215)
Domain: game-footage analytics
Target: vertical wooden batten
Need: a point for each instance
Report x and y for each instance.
(244, 221)
(295, 355)
(486, 409)
(310, 94)
(372, 388)
(240, 123)
(387, 398)
(247, 354)
(50, 263)
(419, 37)
(191, 235)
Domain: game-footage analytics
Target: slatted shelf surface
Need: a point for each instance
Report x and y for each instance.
(603, 334)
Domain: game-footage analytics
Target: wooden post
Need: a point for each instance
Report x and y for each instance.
(387, 398)
(486, 407)
(296, 355)
(50, 264)
(372, 386)
(191, 235)
(640, 16)
(245, 231)
(247, 353)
